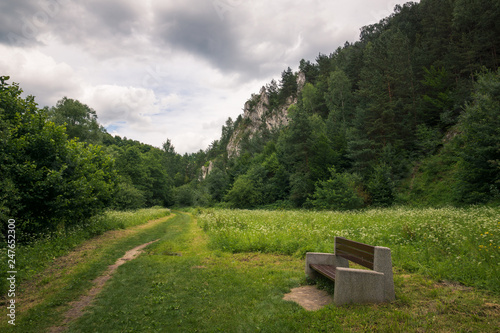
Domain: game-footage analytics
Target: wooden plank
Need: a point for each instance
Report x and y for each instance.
(357, 252)
(325, 270)
(358, 245)
(365, 263)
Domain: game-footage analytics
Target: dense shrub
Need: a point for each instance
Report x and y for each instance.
(337, 193)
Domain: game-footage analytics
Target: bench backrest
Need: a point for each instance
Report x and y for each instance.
(359, 253)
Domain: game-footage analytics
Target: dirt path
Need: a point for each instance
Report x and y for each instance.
(77, 307)
(49, 281)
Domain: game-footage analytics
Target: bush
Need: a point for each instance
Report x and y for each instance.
(48, 182)
(478, 177)
(129, 197)
(381, 186)
(337, 193)
(243, 194)
(183, 195)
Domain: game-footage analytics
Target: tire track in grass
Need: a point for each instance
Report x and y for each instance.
(47, 293)
(42, 285)
(77, 308)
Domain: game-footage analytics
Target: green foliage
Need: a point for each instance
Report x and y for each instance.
(217, 183)
(339, 192)
(79, 120)
(381, 186)
(438, 101)
(52, 183)
(428, 140)
(244, 193)
(479, 143)
(431, 181)
(288, 85)
(339, 96)
(128, 197)
(385, 108)
(310, 98)
(184, 196)
(380, 108)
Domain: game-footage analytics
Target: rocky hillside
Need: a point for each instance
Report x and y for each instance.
(396, 117)
(258, 115)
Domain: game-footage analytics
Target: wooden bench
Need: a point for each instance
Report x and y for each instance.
(355, 285)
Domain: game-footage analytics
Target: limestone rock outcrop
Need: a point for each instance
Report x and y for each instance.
(257, 116)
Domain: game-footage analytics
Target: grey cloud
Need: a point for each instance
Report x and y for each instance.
(195, 27)
(98, 25)
(87, 23)
(117, 16)
(21, 21)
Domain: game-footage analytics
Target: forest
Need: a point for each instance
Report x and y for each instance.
(407, 115)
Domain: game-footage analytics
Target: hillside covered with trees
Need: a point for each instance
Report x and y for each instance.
(409, 114)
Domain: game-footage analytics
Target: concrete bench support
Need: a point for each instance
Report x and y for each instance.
(383, 264)
(358, 286)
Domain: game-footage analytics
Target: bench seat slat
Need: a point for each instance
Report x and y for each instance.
(326, 270)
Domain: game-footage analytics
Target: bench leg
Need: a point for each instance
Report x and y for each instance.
(358, 286)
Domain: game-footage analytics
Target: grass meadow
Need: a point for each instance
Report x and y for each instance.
(453, 244)
(33, 256)
(228, 270)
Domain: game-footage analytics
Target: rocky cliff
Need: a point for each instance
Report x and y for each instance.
(257, 116)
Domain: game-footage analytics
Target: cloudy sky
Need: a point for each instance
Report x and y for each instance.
(173, 69)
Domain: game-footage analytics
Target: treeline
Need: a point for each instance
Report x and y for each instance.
(408, 114)
(59, 167)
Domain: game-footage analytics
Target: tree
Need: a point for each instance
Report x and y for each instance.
(310, 98)
(475, 24)
(339, 96)
(339, 192)
(381, 186)
(161, 183)
(217, 183)
(79, 119)
(438, 100)
(244, 193)
(49, 182)
(295, 151)
(288, 86)
(478, 177)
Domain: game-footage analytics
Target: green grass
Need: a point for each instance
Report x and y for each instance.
(64, 284)
(200, 289)
(447, 244)
(126, 219)
(184, 288)
(184, 283)
(33, 257)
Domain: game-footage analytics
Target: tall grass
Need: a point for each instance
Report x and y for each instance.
(459, 244)
(126, 219)
(33, 257)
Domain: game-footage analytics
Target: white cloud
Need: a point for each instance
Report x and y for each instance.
(126, 105)
(39, 75)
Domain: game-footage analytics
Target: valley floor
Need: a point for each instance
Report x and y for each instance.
(182, 284)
